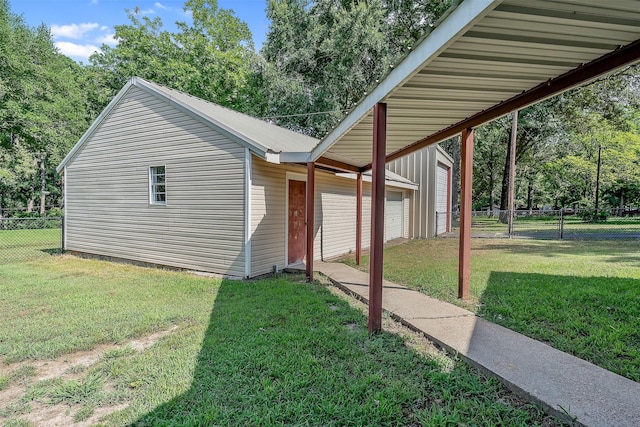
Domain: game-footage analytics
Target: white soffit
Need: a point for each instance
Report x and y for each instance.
(484, 53)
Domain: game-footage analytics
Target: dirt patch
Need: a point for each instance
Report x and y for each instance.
(68, 367)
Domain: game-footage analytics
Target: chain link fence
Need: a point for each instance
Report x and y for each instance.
(25, 237)
(566, 224)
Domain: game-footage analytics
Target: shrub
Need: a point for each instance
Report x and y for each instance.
(591, 215)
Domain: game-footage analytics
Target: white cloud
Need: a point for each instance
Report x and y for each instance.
(94, 1)
(146, 12)
(108, 38)
(161, 6)
(77, 51)
(73, 31)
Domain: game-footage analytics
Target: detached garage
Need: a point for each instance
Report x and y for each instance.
(166, 178)
(430, 168)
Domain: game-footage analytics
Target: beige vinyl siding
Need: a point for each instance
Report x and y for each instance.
(335, 219)
(421, 167)
(416, 167)
(107, 201)
(268, 206)
(335, 215)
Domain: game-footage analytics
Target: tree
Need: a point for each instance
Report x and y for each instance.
(210, 59)
(321, 57)
(41, 111)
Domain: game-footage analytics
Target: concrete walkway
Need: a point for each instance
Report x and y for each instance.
(561, 383)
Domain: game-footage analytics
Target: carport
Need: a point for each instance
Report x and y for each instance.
(484, 59)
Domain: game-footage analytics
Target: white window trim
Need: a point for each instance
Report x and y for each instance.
(152, 201)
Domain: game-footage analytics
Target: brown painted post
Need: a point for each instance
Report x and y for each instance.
(512, 172)
(466, 168)
(377, 216)
(310, 212)
(448, 200)
(358, 218)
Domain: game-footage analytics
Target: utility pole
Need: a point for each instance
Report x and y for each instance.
(512, 170)
(43, 186)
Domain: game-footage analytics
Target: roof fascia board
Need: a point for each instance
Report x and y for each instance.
(463, 17)
(294, 157)
(207, 120)
(83, 139)
(388, 182)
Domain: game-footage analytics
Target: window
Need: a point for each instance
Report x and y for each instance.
(157, 190)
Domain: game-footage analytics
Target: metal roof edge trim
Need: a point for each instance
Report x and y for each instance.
(454, 25)
(83, 139)
(204, 118)
(388, 182)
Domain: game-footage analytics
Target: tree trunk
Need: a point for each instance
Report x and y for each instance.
(621, 204)
(530, 195)
(491, 201)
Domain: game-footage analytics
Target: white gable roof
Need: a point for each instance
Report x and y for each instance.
(264, 139)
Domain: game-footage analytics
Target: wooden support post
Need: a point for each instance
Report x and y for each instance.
(310, 213)
(377, 216)
(358, 218)
(466, 168)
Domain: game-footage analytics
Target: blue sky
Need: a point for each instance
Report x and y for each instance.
(80, 27)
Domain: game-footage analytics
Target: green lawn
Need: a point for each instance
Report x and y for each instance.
(18, 245)
(579, 297)
(266, 352)
(548, 227)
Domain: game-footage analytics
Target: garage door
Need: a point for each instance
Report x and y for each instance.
(442, 202)
(393, 215)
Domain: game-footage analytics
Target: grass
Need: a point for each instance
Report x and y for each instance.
(547, 227)
(61, 305)
(20, 245)
(580, 298)
(271, 351)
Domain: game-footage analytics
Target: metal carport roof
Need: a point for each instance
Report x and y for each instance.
(487, 58)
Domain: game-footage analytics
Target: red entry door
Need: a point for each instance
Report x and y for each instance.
(297, 229)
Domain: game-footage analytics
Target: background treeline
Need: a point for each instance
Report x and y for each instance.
(319, 58)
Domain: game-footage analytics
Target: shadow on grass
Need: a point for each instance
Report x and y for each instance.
(624, 251)
(52, 251)
(594, 318)
(284, 352)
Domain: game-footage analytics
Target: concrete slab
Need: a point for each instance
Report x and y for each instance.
(564, 385)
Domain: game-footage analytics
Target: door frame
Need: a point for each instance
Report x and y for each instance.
(448, 203)
(386, 200)
(290, 176)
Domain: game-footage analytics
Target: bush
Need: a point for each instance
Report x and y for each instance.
(591, 215)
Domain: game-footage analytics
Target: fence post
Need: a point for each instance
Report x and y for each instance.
(62, 236)
(561, 225)
(435, 233)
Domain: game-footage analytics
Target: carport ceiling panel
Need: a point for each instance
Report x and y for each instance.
(515, 47)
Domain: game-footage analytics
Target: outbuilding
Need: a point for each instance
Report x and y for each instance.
(165, 178)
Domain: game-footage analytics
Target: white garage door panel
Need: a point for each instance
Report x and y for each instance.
(393, 215)
(442, 181)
